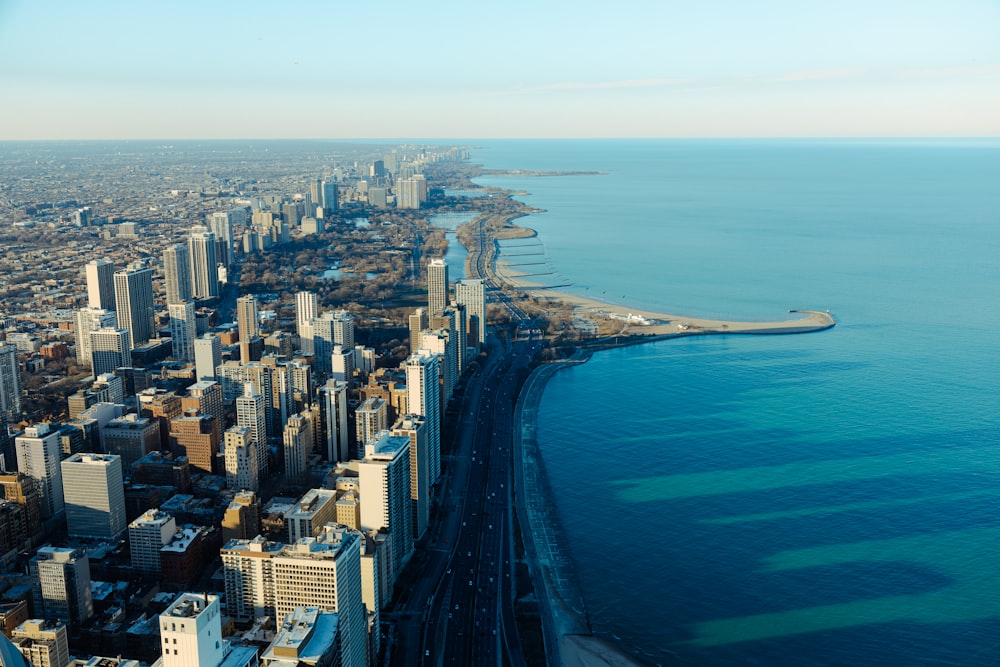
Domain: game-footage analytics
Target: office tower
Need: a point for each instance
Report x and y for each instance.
(241, 459)
(204, 263)
(149, 533)
(85, 321)
(325, 572)
(250, 412)
(134, 303)
(412, 427)
(298, 441)
(472, 294)
(177, 273)
(183, 330)
(207, 356)
(422, 396)
(10, 383)
(308, 516)
(306, 307)
(384, 478)
(333, 421)
(110, 349)
(131, 437)
(418, 322)
(329, 329)
(101, 284)
(330, 197)
(191, 635)
(242, 518)
(43, 643)
(38, 454)
(61, 588)
(307, 636)
(247, 319)
(221, 224)
(197, 437)
(437, 286)
(371, 418)
(206, 398)
(95, 495)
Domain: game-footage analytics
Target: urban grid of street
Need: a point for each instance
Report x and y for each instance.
(456, 605)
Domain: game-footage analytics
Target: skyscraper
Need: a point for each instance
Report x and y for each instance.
(207, 356)
(247, 319)
(221, 224)
(134, 303)
(39, 451)
(250, 412)
(472, 295)
(10, 382)
(241, 459)
(95, 495)
(146, 536)
(333, 420)
(85, 321)
(61, 588)
(370, 419)
(437, 286)
(100, 284)
(330, 329)
(306, 307)
(418, 322)
(298, 441)
(412, 427)
(204, 263)
(384, 478)
(183, 330)
(330, 197)
(177, 273)
(191, 631)
(423, 399)
(110, 349)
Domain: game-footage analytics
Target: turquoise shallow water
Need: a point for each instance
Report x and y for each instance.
(829, 498)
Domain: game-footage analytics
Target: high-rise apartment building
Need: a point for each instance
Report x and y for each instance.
(298, 442)
(314, 509)
(423, 399)
(221, 224)
(147, 534)
(177, 273)
(333, 421)
(95, 495)
(472, 294)
(418, 321)
(412, 427)
(242, 518)
(42, 642)
(131, 437)
(370, 419)
(306, 309)
(134, 303)
(241, 459)
(205, 396)
(204, 263)
(110, 349)
(251, 413)
(85, 321)
(100, 284)
(61, 588)
(207, 356)
(247, 321)
(384, 478)
(10, 383)
(197, 437)
(39, 452)
(183, 330)
(437, 286)
(330, 329)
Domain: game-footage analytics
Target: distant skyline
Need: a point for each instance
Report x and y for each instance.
(116, 69)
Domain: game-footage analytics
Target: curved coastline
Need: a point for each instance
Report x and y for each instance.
(569, 639)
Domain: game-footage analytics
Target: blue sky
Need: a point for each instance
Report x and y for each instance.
(444, 69)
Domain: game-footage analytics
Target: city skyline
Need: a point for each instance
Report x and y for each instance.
(115, 70)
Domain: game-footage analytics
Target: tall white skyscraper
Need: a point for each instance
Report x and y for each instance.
(95, 495)
(306, 307)
(183, 329)
(177, 273)
(134, 303)
(250, 412)
(204, 263)
(471, 293)
(110, 349)
(437, 286)
(207, 356)
(39, 451)
(100, 284)
(423, 399)
(384, 478)
(412, 427)
(10, 383)
(85, 321)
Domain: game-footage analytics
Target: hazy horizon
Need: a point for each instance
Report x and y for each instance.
(772, 69)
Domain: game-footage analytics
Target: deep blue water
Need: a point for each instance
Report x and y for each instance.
(823, 499)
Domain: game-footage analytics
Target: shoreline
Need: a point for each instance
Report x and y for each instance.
(568, 637)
